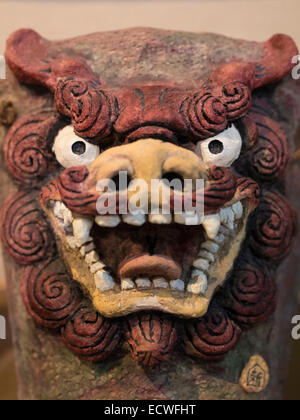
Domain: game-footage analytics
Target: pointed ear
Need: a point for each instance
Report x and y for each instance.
(277, 60)
(34, 60)
(274, 65)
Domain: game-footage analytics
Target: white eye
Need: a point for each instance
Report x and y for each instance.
(71, 150)
(221, 150)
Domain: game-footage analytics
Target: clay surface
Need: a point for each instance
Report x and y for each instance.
(54, 300)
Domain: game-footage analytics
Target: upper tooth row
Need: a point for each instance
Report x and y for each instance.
(136, 219)
(211, 223)
(197, 285)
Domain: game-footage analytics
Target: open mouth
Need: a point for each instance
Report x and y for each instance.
(172, 263)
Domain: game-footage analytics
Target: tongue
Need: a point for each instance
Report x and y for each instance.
(151, 266)
(149, 250)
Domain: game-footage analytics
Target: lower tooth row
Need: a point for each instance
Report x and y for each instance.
(104, 281)
(211, 246)
(160, 282)
(156, 282)
(206, 256)
(198, 283)
(140, 219)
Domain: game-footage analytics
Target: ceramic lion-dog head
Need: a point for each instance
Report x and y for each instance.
(160, 282)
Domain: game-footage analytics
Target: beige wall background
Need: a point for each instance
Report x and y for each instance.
(55, 19)
(252, 19)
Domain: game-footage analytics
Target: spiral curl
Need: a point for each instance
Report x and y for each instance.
(27, 147)
(237, 99)
(24, 230)
(273, 227)
(92, 109)
(221, 188)
(49, 294)
(91, 336)
(211, 337)
(204, 115)
(151, 337)
(250, 294)
(269, 158)
(74, 193)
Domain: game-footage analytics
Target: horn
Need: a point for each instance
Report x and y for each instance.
(33, 60)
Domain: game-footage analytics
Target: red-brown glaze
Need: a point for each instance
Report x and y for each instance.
(91, 336)
(273, 66)
(49, 192)
(151, 337)
(49, 293)
(91, 109)
(74, 192)
(27, 54)
(269, 158)
(25, 232)
(27, 147)
(274, 227)
(190, 114)
(250, 294)
(167, 111)
(224, 97)
(212, 336)
(221, 189)
(247, 188)
(77, 193)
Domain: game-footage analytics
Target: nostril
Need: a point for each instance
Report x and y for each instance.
(174, 180)
(121, 181)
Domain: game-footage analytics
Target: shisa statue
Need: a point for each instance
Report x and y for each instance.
(107, 302)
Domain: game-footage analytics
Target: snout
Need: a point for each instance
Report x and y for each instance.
(164, 176)
(146, 161)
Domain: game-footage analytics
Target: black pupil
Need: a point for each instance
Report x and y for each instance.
(215, 147)
(79, 148)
